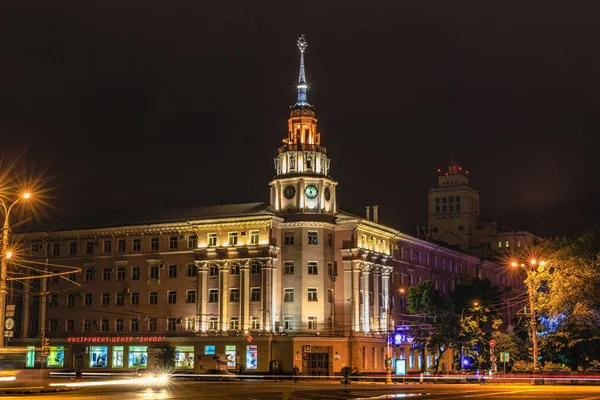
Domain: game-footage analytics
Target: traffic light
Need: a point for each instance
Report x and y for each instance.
(305, 356)
(45, 342)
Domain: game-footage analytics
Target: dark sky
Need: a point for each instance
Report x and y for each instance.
(144, 104)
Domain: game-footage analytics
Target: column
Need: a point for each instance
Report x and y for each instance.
(385, 297)
(366, 299)
(224, 296)
(26, 310)
(267, 298)
(376, 310)
(356, 313)
(245, 294)
(202, 294)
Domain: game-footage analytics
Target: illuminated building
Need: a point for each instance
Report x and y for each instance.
(454, 218)
(295, 280)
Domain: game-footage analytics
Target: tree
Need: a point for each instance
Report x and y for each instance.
(567, 290)
(437, 322)
(165, 359)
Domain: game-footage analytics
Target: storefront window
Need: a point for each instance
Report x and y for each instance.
(138, 356)
(56, 357)
(98, 356)
(230, 351)
(117, 358)
(251, 357)
(209, 349)
(30, 357)
(184, 357)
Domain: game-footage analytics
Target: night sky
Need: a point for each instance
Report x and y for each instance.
(153, 104)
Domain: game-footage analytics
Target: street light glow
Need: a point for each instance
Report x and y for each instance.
(26, 195)
(533, 261)
(8, 254)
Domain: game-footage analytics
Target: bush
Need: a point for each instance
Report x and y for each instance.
(594, 366)
(522, 366)
(554, 368)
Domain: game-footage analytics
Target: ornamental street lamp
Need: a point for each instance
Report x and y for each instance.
(530, 268)
(5, 255)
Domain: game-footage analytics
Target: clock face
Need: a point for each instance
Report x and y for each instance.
(311, 191)
(327, 194)
(289, 192)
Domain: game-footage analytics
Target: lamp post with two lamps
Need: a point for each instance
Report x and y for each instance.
(530, 268)
(6, 254)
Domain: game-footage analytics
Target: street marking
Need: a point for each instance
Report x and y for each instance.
(491, 394)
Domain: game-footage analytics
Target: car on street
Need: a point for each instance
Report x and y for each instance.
(215, 375)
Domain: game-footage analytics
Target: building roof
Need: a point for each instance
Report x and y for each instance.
(117, 219)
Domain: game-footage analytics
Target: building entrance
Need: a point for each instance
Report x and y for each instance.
(318, 364)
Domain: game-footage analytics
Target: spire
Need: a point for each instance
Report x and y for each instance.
(302, 98)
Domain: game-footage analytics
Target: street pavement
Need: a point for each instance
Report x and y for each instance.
(322, 390)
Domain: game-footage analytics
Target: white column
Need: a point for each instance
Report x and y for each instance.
(376, 310)
(366, 299)
(385, 297)
(356, 313)
(224, 296)
(203, 293)
(245, 294)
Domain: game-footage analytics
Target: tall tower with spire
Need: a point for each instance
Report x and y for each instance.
(302, 183)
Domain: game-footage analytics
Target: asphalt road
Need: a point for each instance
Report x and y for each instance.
(327, 390)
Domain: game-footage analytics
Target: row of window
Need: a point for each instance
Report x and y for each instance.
(151, 325)
(118, 325)
(449, 199)
(122, 245)
(119, 298)
(121, 272)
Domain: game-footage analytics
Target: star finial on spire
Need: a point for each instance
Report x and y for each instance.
(302, 43)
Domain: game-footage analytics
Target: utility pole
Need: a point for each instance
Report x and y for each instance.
(533, 321)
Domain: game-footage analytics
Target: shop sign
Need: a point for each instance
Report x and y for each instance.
(115, 339)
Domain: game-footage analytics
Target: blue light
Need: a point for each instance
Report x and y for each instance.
(466, 362)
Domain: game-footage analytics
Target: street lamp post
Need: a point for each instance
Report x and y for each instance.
(529, 269)
(6, 254)
(462, 316)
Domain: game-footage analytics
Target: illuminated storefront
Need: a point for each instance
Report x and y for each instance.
(98, 356)
(252, 357)
(117, 357)
(56, 357)
(138, 356)
(184, 357)
(30, 357)
(232, 355)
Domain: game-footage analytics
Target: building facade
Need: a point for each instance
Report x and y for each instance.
(295, 281)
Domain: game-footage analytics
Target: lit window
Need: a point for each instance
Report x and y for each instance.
(192, 241)
(172, 242)
(288, 268)
(212, 323)
(253, 237)
(212, 239)
(233, 238)
(172, 296)
(288, 295)
(289, 238)
(190, 297)
(312, 238)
